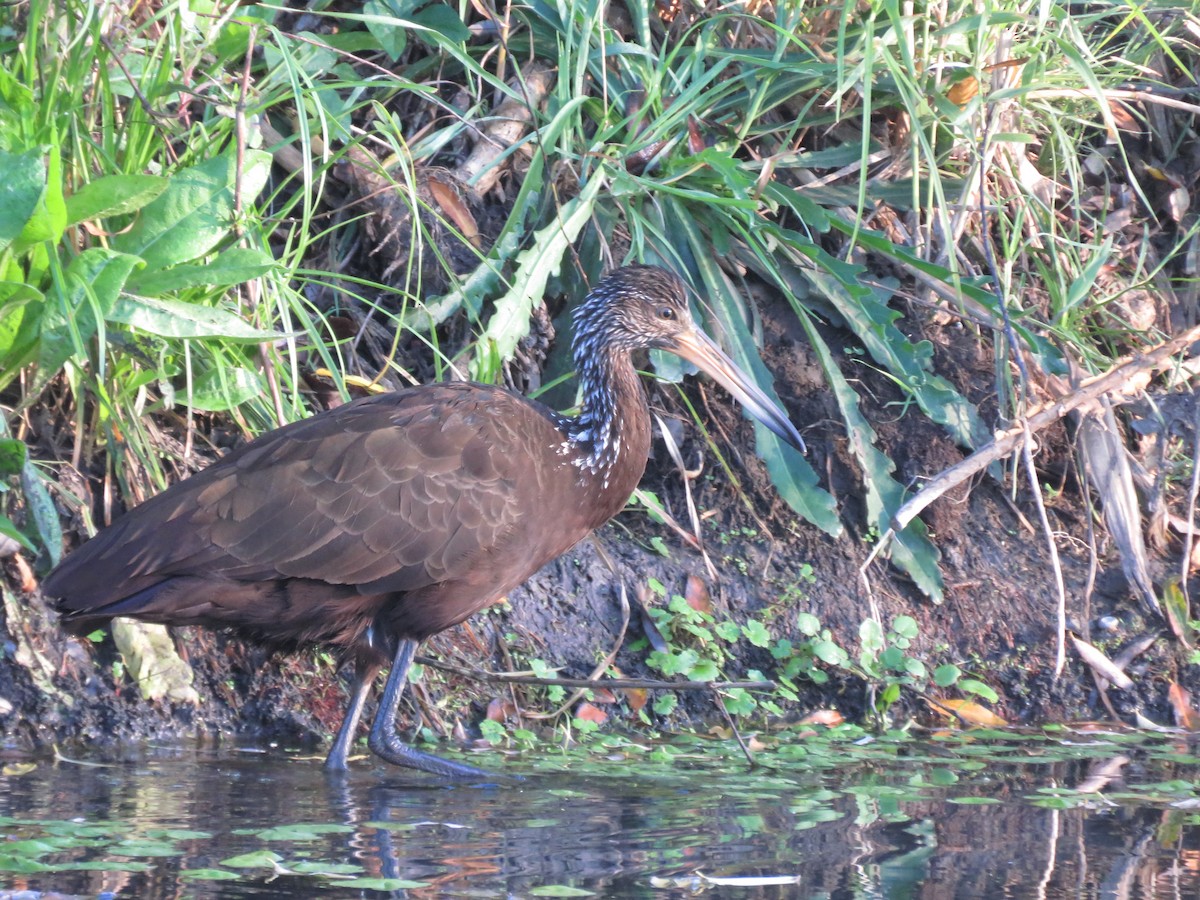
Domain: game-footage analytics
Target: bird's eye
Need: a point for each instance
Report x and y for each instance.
(666, 313)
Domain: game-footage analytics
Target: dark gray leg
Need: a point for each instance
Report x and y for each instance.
(364, 677)
(384, 741)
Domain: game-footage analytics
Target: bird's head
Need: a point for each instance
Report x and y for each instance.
(638, 307)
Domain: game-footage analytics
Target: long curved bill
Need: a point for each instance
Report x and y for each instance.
(699, 349)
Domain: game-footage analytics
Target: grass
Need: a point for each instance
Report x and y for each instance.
(207, 203)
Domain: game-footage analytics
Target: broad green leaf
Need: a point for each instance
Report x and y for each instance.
(209, 875)
(220, 389)
(829, 652)
(21, 190)
(978, 688)
(704, 670)
(259, 859)
(13, 454)
(790, 472)
(444, 20)
(807, 623)
(42, 511)
(946, 675)
(756, 633)
(195, 213)
(49, 218)
(230, 267)
(510, 321)
(873, 321)
(21, 308)
(173, 319)
(911, 549)
(113, 195)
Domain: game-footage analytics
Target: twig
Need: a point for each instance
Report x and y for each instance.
(617, 684)
(1005, 442)
(732, 727)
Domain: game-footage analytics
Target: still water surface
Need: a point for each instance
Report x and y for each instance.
(986, 818)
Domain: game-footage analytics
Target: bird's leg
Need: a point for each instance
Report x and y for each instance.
(384, 741)
(364, 677)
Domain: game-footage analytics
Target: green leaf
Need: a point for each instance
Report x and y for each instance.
(259, 859)
(911, 550)
(209, 875)
(42, 511)
(510, 321)
(21, 307)
(223, 388)
(234, 266)
(49, 218)
(442, 19)
(195, 213)
(13, 454)
(870, 635)
(906, 626)
(978, 688)
(790, 472)
(756, 633)
(173, 319)
(829, 652)
(946, 675)
(728, 631)
(807, 624)
(704, 670)
(94, 280)
(382, 24)
(113, 195)
(9, 530)
(21, 191)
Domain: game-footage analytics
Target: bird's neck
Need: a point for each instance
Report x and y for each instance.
(613, 421)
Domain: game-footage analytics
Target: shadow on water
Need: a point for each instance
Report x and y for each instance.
(206, 824)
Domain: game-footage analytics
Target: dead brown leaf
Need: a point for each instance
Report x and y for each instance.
(500, 709)
(697, 596)
(589, 712)
(823, 717)
(1181, 702)
(455, 210)
(967, 711)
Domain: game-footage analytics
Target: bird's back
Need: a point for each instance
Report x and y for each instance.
(420, 507)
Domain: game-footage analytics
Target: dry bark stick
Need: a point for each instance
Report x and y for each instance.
(1007, 441)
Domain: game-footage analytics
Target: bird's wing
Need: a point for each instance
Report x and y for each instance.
(392, 493)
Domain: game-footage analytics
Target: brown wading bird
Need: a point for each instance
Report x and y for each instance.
(377, 524)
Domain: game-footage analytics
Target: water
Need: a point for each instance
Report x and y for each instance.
(986, 818)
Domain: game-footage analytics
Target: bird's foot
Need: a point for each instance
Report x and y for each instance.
(391, 749)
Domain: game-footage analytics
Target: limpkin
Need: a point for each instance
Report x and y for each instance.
(384, 521)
